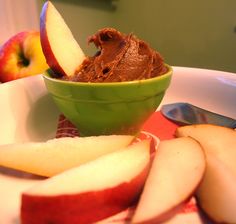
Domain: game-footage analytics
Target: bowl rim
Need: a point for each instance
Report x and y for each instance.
(47, 76)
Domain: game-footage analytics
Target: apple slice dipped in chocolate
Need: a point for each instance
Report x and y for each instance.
(217, 191)
(62, 52)
(90, 192)
(176, 172)
(57, 155)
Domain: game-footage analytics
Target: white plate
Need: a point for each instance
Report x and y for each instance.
(29, 114)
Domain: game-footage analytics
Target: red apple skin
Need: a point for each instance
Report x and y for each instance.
(10, 47)
(12, 51)
(87, 207)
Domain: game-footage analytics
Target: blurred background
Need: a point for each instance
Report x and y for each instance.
(187, 33)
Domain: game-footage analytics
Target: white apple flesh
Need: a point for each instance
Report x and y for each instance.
(61, 50)
(216, 193)
(90, 192)
(57, 155)
(176, 172)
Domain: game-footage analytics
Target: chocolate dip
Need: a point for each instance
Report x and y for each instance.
(120, 58)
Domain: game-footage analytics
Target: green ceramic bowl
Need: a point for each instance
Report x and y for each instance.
(108, 108)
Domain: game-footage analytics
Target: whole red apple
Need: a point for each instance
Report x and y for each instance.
(21, 56)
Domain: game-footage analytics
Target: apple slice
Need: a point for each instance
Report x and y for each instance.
(56, 155)
(211, 137)
(216, 194)
(176, 172)
(90, 192)
(62, 52)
